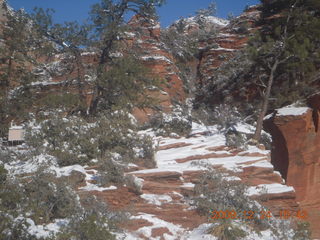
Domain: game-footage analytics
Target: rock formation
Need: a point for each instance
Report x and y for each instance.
(296, 154)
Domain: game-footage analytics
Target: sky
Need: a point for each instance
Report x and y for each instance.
(77, 10)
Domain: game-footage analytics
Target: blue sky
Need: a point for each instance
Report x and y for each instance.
(70, 10)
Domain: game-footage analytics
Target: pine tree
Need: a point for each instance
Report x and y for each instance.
(286, 42)
(108, 18)
(69, 38)
(16, 58)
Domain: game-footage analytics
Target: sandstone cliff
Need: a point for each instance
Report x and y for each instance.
(295, 153)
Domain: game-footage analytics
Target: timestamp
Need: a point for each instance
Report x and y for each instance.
(249, 215)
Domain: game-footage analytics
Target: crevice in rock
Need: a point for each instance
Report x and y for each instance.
(315, 118)
(279, 151)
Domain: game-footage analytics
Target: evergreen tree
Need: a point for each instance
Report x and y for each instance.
(69, 38)
(108, 18)
(287, 45)
(17, 58)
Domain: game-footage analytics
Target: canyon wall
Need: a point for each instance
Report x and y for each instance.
(296, 154)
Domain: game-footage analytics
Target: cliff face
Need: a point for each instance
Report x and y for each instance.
(144, 38)
(296, 154)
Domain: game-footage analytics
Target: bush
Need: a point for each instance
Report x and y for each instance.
(94, 222)
(302, 231)
(63, 101)
(227, 230)
(50, 198)
(14, 229)
(3, 175)
(87, 226)
(216, 193)
(76, 141)
(110, 172)
(178, 122)
(235, 139)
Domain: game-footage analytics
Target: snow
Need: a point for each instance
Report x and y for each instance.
(156, 57)
(43, 231)
(156, 199)
(16, 128)
(209, 19)
(291, 110)
(274, 188)
(130, 34)
(93, 187)
(268, 116)
(66, 171)
(175, 230)
(223, 49)
(88, 53)
(45, 83)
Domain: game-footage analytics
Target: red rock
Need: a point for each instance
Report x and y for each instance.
(205, 156)
(174, 145)
(159, 232)
(296, 151)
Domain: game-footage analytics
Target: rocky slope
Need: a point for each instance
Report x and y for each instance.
(164, 211)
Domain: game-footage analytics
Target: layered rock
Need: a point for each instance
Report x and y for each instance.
(163, 209)
(225, 43)
(144, 38)
(296, 154)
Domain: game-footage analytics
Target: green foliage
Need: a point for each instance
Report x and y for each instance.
(15, 57)
(11, 229)
(12, 198)
(3, 174)
(60, 101)
(227, 230)
(178, 122)
(87, 226)
(120, 82)
(302, 231)
(209, 11)
(292, 39)
(75, 141)
(124, 85)
(216, 193)
(110, 172)
(51, 198)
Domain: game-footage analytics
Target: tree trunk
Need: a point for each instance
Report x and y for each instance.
(80, 82)
(265, 103)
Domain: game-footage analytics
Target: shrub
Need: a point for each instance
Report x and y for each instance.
(62, 101)
(3, 175)
(76, 141)
(216, 193)
(14, 229)
(87, 226)
(235, 139)
(178, 122)
(110, 172)
(226, 117)
(50, 198)
(227, 230)
(302, 231)
(94, 222)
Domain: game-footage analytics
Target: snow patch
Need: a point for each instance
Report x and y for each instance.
(273, 188)
(291, 110)
(156, 199)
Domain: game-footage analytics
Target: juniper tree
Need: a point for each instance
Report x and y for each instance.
(16, 59)
(285, 46)
(108, 18)
(69, 38)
